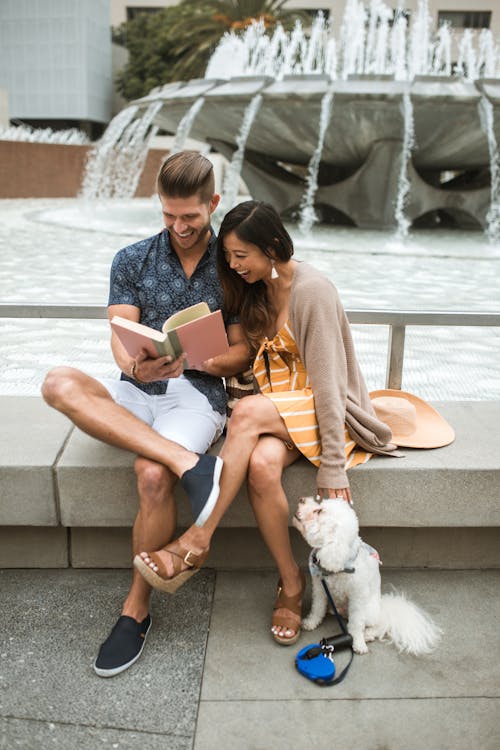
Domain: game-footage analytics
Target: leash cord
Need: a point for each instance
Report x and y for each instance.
(324, 641)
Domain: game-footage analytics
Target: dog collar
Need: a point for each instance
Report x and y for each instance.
(349, 567)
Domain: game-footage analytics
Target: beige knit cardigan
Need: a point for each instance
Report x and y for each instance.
(323, 336)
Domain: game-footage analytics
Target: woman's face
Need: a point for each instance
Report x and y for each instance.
(246, 259)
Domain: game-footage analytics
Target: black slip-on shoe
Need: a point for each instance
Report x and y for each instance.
(122, 647)
(202, 486)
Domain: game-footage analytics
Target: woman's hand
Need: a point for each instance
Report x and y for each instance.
(148, 370)
(341, 492)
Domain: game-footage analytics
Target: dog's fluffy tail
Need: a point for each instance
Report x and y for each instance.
(407, 626)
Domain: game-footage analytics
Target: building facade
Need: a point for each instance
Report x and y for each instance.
(459, 13)
(55, 62)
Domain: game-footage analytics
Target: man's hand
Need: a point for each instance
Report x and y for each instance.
(148, 370)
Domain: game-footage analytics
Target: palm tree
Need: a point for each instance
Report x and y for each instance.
(175, 44)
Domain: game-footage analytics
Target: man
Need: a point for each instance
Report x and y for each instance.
(166, 415)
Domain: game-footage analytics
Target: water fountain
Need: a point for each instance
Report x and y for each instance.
(407, 139)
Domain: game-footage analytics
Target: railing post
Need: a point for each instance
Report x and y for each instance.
(395, 357)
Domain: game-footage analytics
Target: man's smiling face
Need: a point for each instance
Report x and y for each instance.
(187, 220)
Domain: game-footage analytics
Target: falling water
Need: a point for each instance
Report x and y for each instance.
(114, 165)
(232, 177)
(103, 152)
(128, 170)
(307, 213)
(402, 221)
(70, 137)
(186, 124)
(487, 124)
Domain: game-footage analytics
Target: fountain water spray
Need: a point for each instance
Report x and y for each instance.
(403, 223)
(70, 137)
(307, 213)
(373, 40)
(115, 164)
(233, 174)
(487, 124)
(185, 125)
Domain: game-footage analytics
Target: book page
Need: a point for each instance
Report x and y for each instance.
(186, 316)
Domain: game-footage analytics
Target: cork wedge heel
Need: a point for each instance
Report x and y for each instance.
(180, 556)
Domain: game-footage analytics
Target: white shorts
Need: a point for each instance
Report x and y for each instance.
(182, 414)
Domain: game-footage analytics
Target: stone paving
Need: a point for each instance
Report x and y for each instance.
(211, 678)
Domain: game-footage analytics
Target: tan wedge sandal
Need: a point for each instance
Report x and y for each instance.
(294, 605)
(180, 555)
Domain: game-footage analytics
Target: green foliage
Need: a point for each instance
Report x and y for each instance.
(175, 44)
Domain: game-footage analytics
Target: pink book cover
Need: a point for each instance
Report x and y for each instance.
(203, 338)
(134, 341)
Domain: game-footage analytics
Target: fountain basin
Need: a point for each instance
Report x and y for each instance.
(361, 156)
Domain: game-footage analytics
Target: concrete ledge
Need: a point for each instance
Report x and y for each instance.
(31, 437)
(434, 508)
(34, 547)
(244, 549)
(455, 486)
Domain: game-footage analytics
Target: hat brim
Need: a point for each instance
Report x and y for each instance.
(432, 430)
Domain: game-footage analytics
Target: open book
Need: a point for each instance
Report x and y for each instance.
(195, 330)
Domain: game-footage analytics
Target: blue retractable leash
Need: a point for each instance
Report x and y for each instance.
(316, 660)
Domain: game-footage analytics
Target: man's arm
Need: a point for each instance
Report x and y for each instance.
(147, 369)
(237, 359)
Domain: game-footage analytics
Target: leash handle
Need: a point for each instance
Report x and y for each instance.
(341, 675)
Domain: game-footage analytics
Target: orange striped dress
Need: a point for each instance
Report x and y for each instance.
(284, 380)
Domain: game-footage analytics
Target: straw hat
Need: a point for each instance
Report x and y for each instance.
(414, 423)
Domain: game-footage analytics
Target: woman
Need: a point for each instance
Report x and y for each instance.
(311, 391)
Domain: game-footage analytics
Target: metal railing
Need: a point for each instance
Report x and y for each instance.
(396, 320)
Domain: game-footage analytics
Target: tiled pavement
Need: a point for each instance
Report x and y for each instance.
(211, 677)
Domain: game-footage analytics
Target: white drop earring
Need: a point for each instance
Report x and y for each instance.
(274, 273)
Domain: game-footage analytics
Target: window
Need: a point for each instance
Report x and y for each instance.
(465, 19)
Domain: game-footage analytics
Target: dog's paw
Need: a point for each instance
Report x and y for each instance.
(310, 623)
(370, 635)
(360, 647)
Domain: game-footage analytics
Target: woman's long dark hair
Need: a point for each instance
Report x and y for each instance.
(260, 224)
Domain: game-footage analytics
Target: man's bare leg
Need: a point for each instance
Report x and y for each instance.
(271, 510)
(154, 526)
(252, 417)
(90, 407)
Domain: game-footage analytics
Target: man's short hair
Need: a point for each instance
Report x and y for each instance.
(185, 174)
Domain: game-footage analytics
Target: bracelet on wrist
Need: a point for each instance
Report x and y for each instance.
(133, 375)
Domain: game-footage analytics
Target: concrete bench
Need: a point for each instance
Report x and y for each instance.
(67, 499)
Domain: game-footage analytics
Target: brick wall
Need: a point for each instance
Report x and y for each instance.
(50, 170)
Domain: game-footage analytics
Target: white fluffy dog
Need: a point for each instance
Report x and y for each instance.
(351, 570)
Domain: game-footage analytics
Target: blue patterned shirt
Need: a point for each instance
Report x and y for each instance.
(149, 275)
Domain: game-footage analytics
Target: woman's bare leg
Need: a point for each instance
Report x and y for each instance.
(252, 417)
(271, 510)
